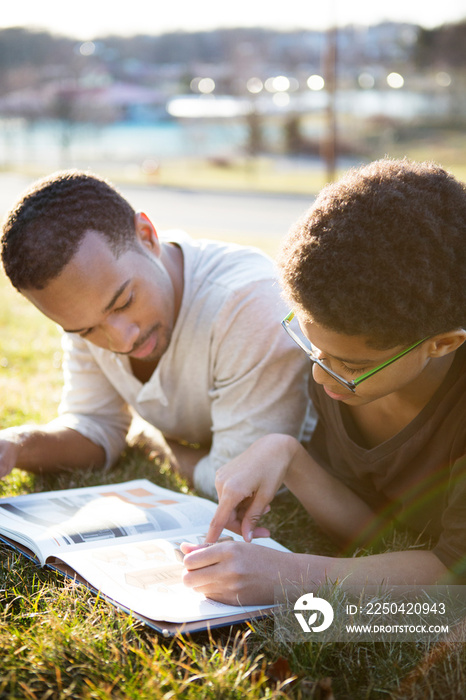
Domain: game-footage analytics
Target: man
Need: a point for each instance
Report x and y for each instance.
(183, 332)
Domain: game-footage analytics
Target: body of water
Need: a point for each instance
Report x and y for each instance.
(57, 144)
(52, 142)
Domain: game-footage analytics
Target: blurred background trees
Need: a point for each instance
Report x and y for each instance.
(242, 92)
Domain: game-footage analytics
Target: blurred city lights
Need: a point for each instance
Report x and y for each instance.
(194, 84)
(279, 83)
(443, 79)
(87, 48)
(366, 81)
(198, 107)
(315, 82)
(395, 81)
(281, 99)
(255, 85)
(203, 85)
(206, 86)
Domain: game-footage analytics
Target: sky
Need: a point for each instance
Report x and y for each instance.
(86, 19)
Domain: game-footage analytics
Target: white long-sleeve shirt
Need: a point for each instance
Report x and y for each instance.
(229, 375)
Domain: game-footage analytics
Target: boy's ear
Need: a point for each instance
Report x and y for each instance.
(146, 233)
(445, 343)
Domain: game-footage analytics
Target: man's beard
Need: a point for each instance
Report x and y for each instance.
(163, 341)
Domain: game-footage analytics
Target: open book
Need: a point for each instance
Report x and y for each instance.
(123, 540)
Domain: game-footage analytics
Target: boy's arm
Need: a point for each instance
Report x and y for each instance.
(241, 573)
(252, 574)
(337, 510)
(47, 448)
(395, 568)
(247, 485)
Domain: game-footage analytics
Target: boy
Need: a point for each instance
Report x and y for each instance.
(376, 275)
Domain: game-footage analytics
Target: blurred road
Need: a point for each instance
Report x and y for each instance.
(228, 216)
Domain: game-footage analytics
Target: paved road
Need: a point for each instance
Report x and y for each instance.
(242, 217)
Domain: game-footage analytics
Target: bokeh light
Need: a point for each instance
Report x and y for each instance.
(315, 82)
(254, 85)
(395, 81)
(279, 83)
(293, 85)
(366, 81)
(281, 99)
(443, 79)
(206, 86)
(87, 48)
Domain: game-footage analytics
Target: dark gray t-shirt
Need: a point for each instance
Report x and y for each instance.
(419, 475)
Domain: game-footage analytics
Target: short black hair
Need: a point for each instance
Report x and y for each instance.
(382, 254)
(45, 228)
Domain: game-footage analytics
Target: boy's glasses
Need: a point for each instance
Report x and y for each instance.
(352, 384)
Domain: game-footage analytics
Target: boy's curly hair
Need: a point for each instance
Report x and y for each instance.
(382, 254)
(45, 228)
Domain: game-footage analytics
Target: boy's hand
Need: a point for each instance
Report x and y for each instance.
(236, 573)
(247, 485)
(240, 515)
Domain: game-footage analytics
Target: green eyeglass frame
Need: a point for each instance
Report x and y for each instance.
(352, 384)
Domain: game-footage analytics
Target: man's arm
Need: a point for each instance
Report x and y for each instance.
(90, 411)
(47, 448)
(90, 404)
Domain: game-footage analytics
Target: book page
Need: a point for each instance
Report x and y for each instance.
(88, 517)
(146, 577)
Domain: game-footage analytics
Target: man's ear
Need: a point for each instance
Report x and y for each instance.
(146, 233)
(444, 343)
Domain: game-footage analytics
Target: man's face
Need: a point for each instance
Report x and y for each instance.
(126, 304)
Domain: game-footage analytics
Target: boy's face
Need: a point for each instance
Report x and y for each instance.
(126, 304)
(351, 356)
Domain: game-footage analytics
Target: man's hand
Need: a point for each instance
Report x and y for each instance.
(10, 446)
(47, 449)
(184, 458)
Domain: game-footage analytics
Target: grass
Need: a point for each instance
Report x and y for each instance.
(258, 175)
(365, 140)
(30, 361)
(59, 640)
(263, 174)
